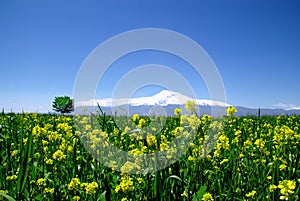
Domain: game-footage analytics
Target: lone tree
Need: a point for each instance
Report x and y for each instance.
(63, 104)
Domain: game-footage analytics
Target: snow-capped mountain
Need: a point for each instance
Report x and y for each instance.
(163, 98)
(164, 103)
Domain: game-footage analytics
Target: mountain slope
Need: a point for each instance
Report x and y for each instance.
(163, 98)
(164, 103)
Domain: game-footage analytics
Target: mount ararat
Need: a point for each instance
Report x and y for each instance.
(164, 103)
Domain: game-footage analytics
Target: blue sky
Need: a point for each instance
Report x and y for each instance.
(254, 44)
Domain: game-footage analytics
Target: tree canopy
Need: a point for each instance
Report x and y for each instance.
(63, 104)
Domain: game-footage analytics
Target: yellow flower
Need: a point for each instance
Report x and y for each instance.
(247, 143)
(4, 192)
(74, 184)
(124, 199)
(286, 188)
(184, 194)
(70, 148)
(151, 140)
(76, 198)
(91, 188)
(230, 111)
(36, 131)
(126, 184)
(142, 122)
(177, 112)
(77, 133)
(15, 152)
(118, 188)
(190, 106)
(13, 177)
(193, 121)
(49, 190)
(207, 197)
(44, 142)
(140, 180)
(41, 182)
(272, 187)
(45, 149)
(282, 167)
(135, 117)
(251, 194)
(191, 158)
(224, 161)
(129, 167)
(260, 143)
(49, 161)
(58, 155)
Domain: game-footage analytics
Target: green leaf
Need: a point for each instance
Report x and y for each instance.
(7, 197)
(102, 197)
(134, 131)
(174, 177)
(200, 193)
(39, 197)
(22, 176)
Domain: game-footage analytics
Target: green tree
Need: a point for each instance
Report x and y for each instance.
(63, 104)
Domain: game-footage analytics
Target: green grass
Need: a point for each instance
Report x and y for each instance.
(252, 154)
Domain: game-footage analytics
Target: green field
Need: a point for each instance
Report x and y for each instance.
(42, 157)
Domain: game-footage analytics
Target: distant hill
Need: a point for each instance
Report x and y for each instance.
(164, 103)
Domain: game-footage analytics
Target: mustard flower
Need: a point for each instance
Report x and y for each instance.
(272, 188)
(282, 167)
(91, 188)
(58, 155)
(74, 184)
(140, 180)
(126, 184)
(207, 197)
(49, 190)
(49, 161)
(184, 194)
(128, 167)
(230, 111)
(70, 148)
(135, 117)
(15, 152)
(142, 123)
(260, 143)
(13, 177)
(177, 112)
(224, 161)
(190, 106)
(191, 158)
(41, 182)
(286, 188)
(251, 194)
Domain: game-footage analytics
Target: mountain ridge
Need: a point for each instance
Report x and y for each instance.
(163, 98)
(164, 103)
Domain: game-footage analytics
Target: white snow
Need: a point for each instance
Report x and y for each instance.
(163, 98)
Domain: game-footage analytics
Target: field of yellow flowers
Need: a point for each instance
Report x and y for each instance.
(54, 157)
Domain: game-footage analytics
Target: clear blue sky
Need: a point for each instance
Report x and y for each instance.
(254, 44)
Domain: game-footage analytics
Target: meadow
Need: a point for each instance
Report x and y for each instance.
(54, 157)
